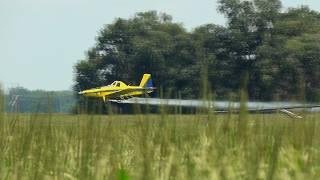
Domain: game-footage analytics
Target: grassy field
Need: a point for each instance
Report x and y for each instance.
(207, 146)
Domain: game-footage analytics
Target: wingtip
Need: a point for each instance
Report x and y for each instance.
(81, 92)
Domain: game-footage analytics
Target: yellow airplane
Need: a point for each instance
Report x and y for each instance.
(118, 90)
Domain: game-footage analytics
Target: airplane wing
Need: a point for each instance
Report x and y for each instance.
(225, 106)
(219, 105)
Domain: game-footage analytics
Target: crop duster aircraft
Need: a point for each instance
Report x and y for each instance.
(121, 93)
(118, 90)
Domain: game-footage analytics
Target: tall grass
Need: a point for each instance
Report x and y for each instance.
(158, 147)
(163, 146)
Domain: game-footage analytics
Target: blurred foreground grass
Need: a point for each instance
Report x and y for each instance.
(207, 146)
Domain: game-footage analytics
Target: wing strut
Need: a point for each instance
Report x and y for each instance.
(290, 114)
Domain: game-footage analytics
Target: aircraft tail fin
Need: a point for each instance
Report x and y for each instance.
(146, 81)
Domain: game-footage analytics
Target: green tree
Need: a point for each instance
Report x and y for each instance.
(147, 43)
(276, 52)
(250, 26)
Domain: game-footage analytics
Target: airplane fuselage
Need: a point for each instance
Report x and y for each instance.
(118, 90)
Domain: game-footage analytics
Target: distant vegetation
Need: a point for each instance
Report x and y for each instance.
(277, 52)
(25, 101)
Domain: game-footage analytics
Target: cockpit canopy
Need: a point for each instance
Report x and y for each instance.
(117, 84)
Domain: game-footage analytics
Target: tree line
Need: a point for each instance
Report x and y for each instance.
(273, 53)
(22, 100)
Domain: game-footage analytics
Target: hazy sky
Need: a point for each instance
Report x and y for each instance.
(41, 40)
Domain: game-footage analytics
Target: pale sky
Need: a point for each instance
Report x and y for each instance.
(41, 40)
